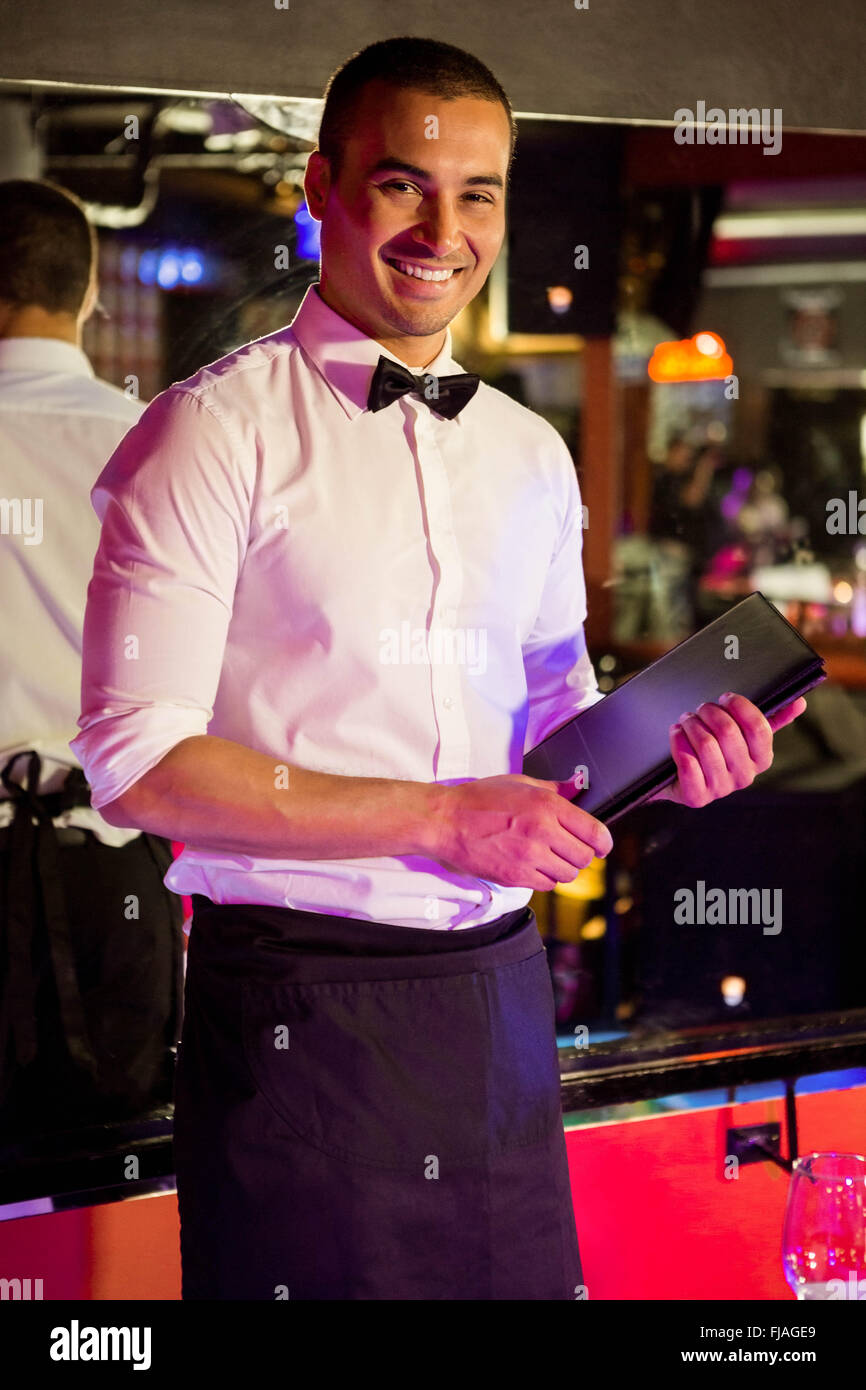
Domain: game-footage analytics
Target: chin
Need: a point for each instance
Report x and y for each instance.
(421, 325)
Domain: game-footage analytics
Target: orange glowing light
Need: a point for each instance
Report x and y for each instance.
(701, 358)
(559, 297)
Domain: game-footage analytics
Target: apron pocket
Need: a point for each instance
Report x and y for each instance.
(396, 1073)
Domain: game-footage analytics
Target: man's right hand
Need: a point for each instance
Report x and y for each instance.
(516, 831)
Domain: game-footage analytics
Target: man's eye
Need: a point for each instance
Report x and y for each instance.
(401, 184)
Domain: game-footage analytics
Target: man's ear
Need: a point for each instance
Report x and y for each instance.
(317, 184)
(90, 298)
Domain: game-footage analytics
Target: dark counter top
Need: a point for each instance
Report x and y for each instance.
(83, 1167)
(644, 1066)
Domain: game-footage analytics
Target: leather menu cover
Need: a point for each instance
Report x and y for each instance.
(622, 741)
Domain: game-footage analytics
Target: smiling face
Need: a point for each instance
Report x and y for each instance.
(412, 226)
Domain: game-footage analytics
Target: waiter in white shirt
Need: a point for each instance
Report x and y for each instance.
(79, 990)
(351, 578)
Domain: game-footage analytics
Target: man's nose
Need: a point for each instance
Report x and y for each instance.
(440, 229)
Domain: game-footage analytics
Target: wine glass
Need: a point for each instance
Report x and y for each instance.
(824, 1240)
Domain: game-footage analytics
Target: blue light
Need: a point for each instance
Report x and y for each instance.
(309, 238)
(170, 267)
(147, 267)
(192, 268)
(169, 270)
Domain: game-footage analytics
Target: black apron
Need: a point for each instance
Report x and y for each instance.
(90, 1001)
(33, 855)
(364, 1111)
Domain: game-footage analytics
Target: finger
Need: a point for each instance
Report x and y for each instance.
(710, 756)
(550, 870)
(787, 714)
(690, 788)
(539, 882)
(757, 730)
(585, 827)
(562, 868)
(580, 824)
(573, 850)
(741, 767)
(567, 789)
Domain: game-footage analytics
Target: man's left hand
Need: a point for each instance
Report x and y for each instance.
(722, 747)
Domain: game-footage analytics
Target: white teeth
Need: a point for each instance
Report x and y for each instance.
(420, 273)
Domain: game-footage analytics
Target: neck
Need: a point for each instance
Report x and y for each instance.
(415, 352)
(32, 321)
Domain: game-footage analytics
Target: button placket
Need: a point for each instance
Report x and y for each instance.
(446, 679)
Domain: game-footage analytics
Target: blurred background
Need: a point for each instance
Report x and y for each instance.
(692, 319)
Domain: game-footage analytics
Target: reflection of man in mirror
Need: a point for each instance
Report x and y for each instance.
(86, 987)
(685, 523)
(367, 1103)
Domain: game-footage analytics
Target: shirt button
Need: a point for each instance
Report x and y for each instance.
(448, 702)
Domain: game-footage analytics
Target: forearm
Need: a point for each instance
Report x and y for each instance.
(694, 493)
(213, 794)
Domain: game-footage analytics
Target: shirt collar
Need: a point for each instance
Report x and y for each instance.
(346, 357)
(43, 355)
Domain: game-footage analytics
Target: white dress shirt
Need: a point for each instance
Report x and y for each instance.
(372, 594)
(59, 425)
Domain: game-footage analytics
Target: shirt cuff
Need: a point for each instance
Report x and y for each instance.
(115, 750)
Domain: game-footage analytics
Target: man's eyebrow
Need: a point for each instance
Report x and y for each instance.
(404, 167)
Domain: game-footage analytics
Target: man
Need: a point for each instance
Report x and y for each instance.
(82, 999)
(367, 1103)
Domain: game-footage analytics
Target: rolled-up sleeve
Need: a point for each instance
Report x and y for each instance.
(559, 674)
(174, 503)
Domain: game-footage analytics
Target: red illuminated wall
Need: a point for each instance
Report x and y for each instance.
(657, 1220)
(655, 1217)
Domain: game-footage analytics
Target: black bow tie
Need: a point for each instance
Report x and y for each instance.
(447, 395)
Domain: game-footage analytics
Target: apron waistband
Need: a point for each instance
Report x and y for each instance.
(310, 947)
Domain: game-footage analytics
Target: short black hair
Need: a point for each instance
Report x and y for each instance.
(47, 246)
(423, 64)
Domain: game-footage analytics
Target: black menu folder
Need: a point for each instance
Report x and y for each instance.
(623, 742)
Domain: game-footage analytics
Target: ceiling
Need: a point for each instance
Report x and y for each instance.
(620, 60)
